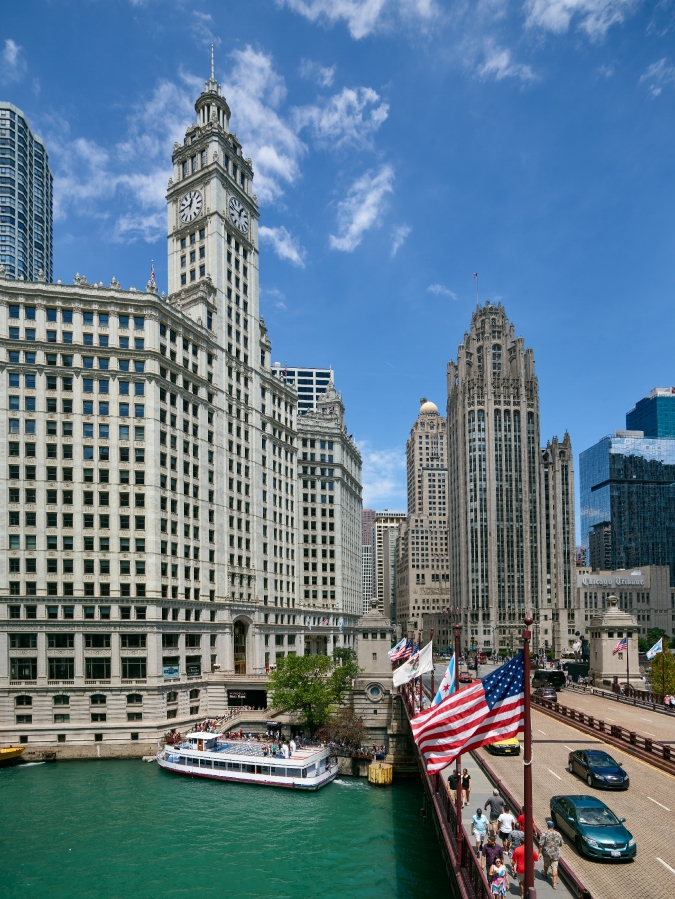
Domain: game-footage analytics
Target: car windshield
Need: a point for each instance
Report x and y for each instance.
(597, 817)
(602, 761)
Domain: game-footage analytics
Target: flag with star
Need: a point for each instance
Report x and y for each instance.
(448, 684)
(491, 709)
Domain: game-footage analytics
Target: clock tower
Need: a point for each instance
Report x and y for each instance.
(213, 223)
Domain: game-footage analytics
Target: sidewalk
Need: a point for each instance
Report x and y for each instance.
(481, 789)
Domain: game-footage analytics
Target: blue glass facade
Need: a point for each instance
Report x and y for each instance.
(26, 199)
(630, 482)
(654, 415)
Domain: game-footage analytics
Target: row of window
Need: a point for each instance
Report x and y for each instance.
(87, 473)
(67, 542)
(89, 613)
(67, 338)
(88, 318)
(87, 384)
(67, 589)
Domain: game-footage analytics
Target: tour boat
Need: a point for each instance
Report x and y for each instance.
(10, 755)
(213, 755)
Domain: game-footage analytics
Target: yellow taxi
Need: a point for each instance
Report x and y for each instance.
(505, 747)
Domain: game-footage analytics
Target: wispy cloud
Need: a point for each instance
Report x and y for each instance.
(595, 17)
(658, 74)
(384, 477)
(398, 238)
(314, 71)
(442, 291)
(350, 117)
(499, 64)
(364, 17)
(284, 244)
(12, 62)
(360, 209)
(274, 296)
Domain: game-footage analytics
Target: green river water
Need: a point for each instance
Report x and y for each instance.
(114, 829)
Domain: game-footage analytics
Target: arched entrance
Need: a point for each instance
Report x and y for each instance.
(240, 629)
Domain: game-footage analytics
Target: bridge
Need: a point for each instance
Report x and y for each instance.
(639, 737)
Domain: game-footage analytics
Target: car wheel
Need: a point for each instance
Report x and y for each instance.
(570, 767)
(579, 845)
(589, 780)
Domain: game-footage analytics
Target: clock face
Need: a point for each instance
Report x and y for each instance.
(190, 206)
(239, 215)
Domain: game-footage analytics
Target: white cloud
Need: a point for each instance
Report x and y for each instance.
(12, 63)
(442, 291)
(364, 17)
(595, 16)
(384, 477)
(361, 207)
(398, 238)
(284, 244)
(350, 117)
(499, 64)
(313, 71)
(274, 296)
(659, 73)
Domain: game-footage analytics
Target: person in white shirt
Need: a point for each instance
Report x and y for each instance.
(506, 822)
(293, 747)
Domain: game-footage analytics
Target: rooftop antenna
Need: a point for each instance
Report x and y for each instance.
(475, 275)
(213, 77)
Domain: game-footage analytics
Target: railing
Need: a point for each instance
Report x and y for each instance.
(621, 737)
(644, 698)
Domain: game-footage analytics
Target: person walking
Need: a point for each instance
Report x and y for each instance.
(466, 787)
(496, 805)
(518, 865)
(499, 883)
(490, 853)
(452, 783)
(479, 829)
(506, 822)
(550, 844)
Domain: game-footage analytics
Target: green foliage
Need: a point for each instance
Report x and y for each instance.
(660, 664)
(345, 727)
(312, 686)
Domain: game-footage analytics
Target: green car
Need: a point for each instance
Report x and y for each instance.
(593, 827)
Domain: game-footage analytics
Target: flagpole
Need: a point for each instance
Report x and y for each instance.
(458, 760)
(663, 671)
(527, 761)
(627, 664)
(433, 671)
(421, 676)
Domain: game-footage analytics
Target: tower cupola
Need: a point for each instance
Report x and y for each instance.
(210, 105)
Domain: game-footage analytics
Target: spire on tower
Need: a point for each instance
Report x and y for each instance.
(213, 76)
(210, 105)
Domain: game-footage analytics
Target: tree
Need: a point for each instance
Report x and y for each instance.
(312, 686)
(345, 727)
(663, 662)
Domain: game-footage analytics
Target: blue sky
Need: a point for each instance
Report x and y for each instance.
(399, 146)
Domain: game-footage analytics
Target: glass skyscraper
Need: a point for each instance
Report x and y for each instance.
(654, 415)
(26, 199)
(629, 482)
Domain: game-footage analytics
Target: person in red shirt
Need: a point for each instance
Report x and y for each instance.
(518, 865)
(521, 823)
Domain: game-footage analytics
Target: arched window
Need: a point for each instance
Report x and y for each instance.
(134, 699)
(62, 700)
(23, 701)
(194, 694)
(98, 699)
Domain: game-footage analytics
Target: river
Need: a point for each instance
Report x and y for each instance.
(125, 829)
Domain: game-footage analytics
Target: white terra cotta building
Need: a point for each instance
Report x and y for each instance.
(605, 632)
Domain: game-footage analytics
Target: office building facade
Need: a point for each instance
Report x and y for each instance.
(385, 531)
(654, 415)
(493, 481)
(26, 200)
(310, 383)
(150, 475)
(626, 492)
(643, 592)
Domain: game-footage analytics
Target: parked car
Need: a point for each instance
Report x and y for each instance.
(598, 769)
(546, 693)
(504, 747)
(593, 827)
(465, 677)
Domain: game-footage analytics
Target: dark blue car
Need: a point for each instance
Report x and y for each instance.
(598, 769)
(592, 827)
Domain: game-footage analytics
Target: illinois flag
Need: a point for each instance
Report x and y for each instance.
(418, 664)
(491, 709)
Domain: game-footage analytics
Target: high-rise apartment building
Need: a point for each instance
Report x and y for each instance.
(367, 522)
(627, 497)
(654, 415)
(150, 478)
(311, 383)
(493, 481)
(422, 575)
(558, 611)
(367, 571)
(329, 484)
(26, 201)
(385, 531)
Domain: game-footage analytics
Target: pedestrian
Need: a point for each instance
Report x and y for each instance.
(518, 865)
(499, 882)
(452, 782)
(490, 853)
(496, 805)
(550, 845)
(506, 822)
(479, 828)
(517, 837)
(466, 787)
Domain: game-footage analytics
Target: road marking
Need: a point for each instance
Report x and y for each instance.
(650, 733)
(542, 731)
(672, 870)
(658, 803)
(568, 747)
(554, 774)
(645, 719)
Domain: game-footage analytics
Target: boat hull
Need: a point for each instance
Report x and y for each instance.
(288, 783)
(11, 755)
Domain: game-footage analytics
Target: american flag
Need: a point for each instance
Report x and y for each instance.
(403, 653)
(492, 709)
(620, 646)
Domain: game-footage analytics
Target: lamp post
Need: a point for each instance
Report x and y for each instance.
(527, 761)
(458, 760)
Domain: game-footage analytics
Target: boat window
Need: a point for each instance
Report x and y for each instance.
(183, 760)
(233, 766)
(278, 772)
(218, 764)
(263, 769)
(248, 768)
(205, 763)
(304, 772)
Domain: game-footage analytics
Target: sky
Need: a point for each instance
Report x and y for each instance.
(399, 146)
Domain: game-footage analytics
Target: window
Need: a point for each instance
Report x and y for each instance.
(61, 668)
(133, 669)
(97, 668)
